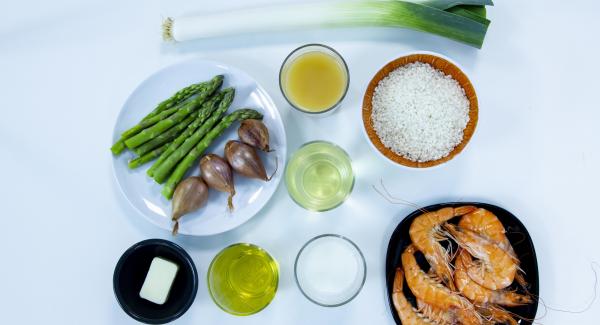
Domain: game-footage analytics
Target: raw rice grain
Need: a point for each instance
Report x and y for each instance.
(419, 112)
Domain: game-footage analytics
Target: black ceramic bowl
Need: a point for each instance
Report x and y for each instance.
(130, 274)
(515, 231)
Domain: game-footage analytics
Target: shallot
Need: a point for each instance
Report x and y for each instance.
(217, 173)
(190, 195)
(254, 133)
(245, 160)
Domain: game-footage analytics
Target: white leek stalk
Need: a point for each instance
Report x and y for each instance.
(353, 13)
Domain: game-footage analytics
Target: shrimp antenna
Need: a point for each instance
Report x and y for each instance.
(499, 308)
(521, 239)
(581, 311)
(452, 253)
(588, 306)
(395, 200)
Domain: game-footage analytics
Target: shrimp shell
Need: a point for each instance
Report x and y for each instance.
(480, 294)
(440, 316)
(425, 235)
(487, 224)
(434, 293)
(405, 310)
(496, 268)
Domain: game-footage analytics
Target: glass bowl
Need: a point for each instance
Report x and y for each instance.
(319, 176)
(307, 49)
(323, 270)
(242, 279)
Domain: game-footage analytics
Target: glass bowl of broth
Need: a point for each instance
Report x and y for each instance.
(314, 79)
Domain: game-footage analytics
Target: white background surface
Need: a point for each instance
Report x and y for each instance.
(66, 67)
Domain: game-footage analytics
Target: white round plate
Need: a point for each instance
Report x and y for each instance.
(251, 194)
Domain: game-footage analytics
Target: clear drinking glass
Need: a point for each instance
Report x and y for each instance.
(284, 76)
(242, 279)
(330, 270)
(319, 176)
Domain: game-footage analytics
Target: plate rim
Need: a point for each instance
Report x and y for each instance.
(165, 69)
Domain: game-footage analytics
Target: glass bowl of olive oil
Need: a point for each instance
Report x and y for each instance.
(319, 176)
(314, 79)
(242, 279)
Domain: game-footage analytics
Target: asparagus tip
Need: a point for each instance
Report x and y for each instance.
(167, 29)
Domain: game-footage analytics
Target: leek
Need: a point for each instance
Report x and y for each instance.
(387, 13)
(477, 10)
(447, 4)
(471, 14)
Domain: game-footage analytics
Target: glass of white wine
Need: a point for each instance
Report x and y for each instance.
(319, 176)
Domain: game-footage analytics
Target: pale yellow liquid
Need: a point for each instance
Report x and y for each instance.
(314, 81)
(319, 176)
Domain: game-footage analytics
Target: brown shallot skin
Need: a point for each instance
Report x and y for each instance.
(254, 133)
(245, 160)
(190, 195)
(217, 173)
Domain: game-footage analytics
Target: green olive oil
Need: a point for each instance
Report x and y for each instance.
(243, 279)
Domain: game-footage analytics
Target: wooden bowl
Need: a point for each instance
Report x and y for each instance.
(441, 64)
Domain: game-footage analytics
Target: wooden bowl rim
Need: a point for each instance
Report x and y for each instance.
(440, 63)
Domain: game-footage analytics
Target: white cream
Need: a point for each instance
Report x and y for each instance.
(159, 280)
(330, 270)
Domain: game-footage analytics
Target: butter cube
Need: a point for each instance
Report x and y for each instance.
(159, 280)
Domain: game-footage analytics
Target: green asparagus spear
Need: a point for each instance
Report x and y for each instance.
(159, 147)
(174, 100)
(165, 137)
(137, 162)
(184, 94)
(164, 169)
(148, 122)
(118, 147)
(185, 110)
(203, 115)
(191, 157)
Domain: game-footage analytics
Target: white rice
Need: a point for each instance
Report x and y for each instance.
(419, 112)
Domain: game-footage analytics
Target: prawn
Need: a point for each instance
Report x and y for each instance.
(479, 294)
(434, 293)
(442, 317)
(405, 310)
(425, 234)
(496, 268)
(487, 224)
